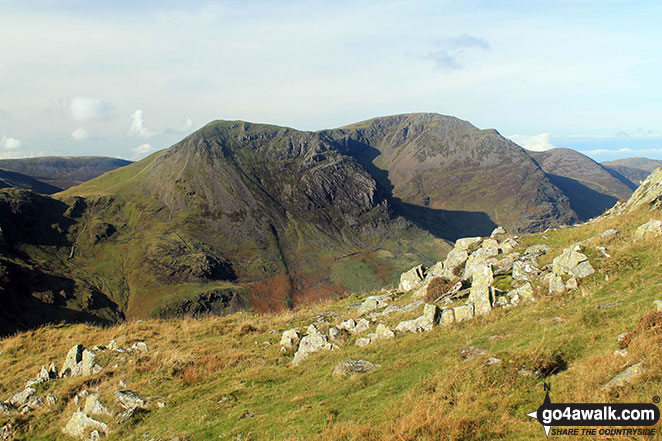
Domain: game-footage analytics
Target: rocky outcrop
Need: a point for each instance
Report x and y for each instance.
(80, 361)
(412, 278)
(290, 338)
(80, 426)
(313, 342)
(572, 263)
(627, 376)
(651, 229)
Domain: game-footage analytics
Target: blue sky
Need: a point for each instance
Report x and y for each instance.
(126, 78)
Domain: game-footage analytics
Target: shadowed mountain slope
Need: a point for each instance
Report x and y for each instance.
(10, 179)
(590, 187)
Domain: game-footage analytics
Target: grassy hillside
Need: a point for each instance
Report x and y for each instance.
(227, 378)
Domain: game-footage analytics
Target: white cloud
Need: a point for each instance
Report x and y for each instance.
(142, 150)
(188, 123)
(536, 143)
(138, 126)
(9, 143)
(80, 134)
(632, 152)
(15, 155)
(81, 108)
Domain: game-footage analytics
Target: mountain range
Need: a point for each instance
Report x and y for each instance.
(242, 215)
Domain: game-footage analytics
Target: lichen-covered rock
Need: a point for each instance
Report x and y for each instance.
(140, 346)
(463, 312)
(468, 243)
(128, 399)
(526, 269)
(418, 324)
(362, 325)
(334, 333)
(504, 264)
(571, 284)
(348, 325)
(454, 263)
(21, 398)
(412, 278)
(372, 303)
(536, 250)
(94, 407)
(572, 263)
(80, 425)
(383, 332)
(498, 233)
(471, 352)
(652, 228)
(431, 313)
(349, 367)
(312, 343)
(74, 356)
(627, 376)
(447, 316)
(363, 341)
(508, 245)
(658, 305)
(555, 284)
(290, 338)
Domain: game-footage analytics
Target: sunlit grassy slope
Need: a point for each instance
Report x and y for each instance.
(213, 372)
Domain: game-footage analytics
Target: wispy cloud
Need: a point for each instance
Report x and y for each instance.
(447, 52)
(80, 134)
(82, 108)
(635, 152)
(138, 126)
(536, 143)
(142, 150)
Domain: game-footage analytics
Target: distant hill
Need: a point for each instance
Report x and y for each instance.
(590, 187)
(635, 169)
(445, 174)
(63, 171)
(13, 179)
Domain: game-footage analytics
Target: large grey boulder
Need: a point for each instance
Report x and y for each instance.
(572, 263)
(412, 278)
(536, 250)
(419, 324)
(80, 425)
(80, 361)
(504, 264)
(652, 228)
(128, 399)
(312, 343)
(508, 245)
(447, 316)
(349, 367)
(290, 338)
(431, 313)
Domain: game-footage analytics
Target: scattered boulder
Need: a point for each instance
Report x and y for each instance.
(80, 361)
(447, 316)
(80, 425)
(4, 409)
(290, 338)
(652, 228)
(51, 400)
(74, 356)
(372, 303)
(471, 352)
(140, 346)
(572, 284)
(383, 332)
(508, 245)
(128, 399)
(491, 361)
(431, 313)
(627, 376)
(607, 234)
(7, 432)
(128, 414)
(349, 367)
(536, 250)
(658, 305)
(412, 278)
(21, 398)
(348, 325)
(363, 341)
(504, 265)
(334, 333)
(313, 342)
(419, 324)
(572, 263)
(94, 407)
(554, 283)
